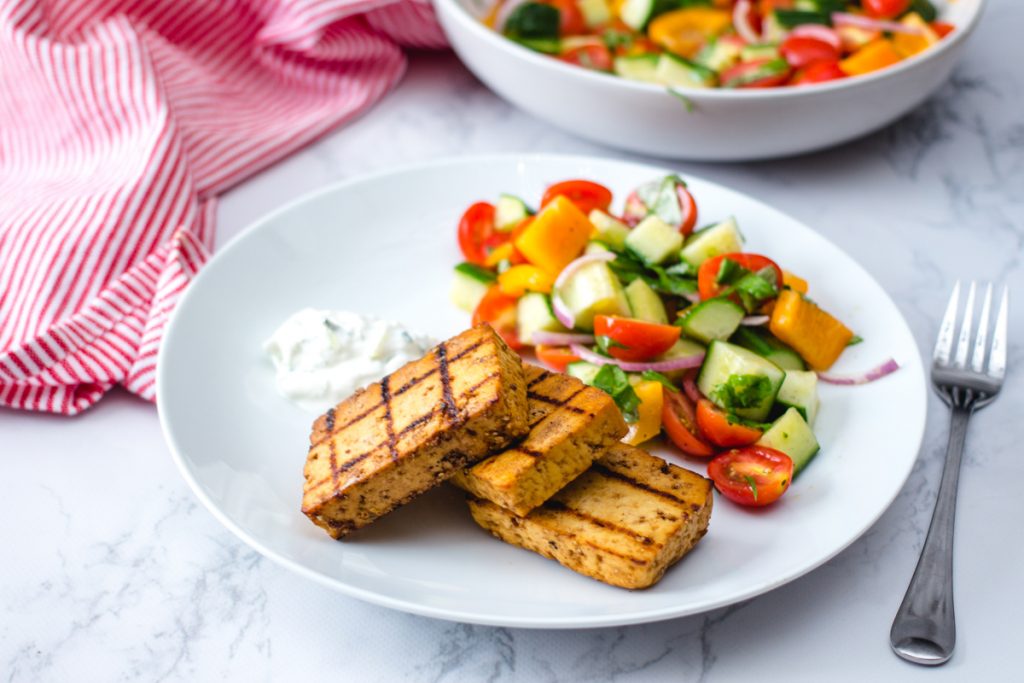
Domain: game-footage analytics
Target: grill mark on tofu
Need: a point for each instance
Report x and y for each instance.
(389, 421)
(333, 462)
(331, 427)
(559, 506)
(447, 400)
(604, 471)
(537, 380)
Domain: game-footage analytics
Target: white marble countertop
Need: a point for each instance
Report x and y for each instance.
(112, 570)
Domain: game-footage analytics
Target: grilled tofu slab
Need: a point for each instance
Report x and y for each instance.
(624, 521)
(401, 436)
(570, 425)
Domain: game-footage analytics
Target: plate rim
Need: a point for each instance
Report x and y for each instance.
(480, 617)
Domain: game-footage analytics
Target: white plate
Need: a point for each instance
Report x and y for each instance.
(385, 245)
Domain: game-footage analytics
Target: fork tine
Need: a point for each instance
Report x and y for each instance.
(997, 356)
(944, 344)
(980, 341)
(963, 344)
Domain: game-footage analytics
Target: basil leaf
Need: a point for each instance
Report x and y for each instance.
(753, 288)
(612, 380)
(605, 343)
(854, 340)
(752, 483)
(742, 391)
(655, 376)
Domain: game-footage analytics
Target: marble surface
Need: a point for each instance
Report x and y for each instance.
(112, 570)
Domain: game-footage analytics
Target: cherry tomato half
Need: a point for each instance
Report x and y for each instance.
(708, 272)
(942, 28)
(555, 357)
(597, 57)
(584, 194)
(572, 23)
(499, 310)
(736, 76)
(680, 423)
(640, 340)
(716, 427)
(803, 50)
(754, 476)
(885, 9)
(688, 208)
(477, 236)
(818, 72)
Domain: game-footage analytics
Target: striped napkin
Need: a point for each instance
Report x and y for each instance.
(120, 123)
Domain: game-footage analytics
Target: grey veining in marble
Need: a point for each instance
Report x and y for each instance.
(111, 570)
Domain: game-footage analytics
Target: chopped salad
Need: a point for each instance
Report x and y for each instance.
(719, 348)
(724, 43)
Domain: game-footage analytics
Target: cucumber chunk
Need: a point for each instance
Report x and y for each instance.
(645, 303)
(791, 435)
(654, 240)
(675, 71)
(759, 51)
(638, 13)
(595, 246)
(718, 239)
(800, 391)
(611, 231)
(594, 290)
(509, 212)
(595, 12)
(719, 54)
(469, 285)
(766, 344)
(683, 348)
(637, 68)
(711, 320)
(583, 371)
(740, 381)
(533, 314)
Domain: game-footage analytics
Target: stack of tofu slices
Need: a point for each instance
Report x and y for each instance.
(538, 453)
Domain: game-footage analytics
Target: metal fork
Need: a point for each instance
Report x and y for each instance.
(924, 630)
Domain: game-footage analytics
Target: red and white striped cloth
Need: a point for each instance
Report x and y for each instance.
(120, 122)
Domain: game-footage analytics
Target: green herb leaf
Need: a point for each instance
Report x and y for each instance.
(612, 380)
(532, 21)
(754, 288)
(604, 344)
(854, 340)
(752, 483)
(729, 271)
(614, 39)
(687, 102)
(476, 272)
(742, 391)
(655, 376)
(675, 280)
(790, 18)
(925, 8)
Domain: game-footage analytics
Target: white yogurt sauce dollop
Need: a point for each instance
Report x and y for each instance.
(322, 357)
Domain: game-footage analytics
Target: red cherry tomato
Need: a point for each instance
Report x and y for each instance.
(680, 423)
(754, 476)
(802, 50)
(555, 357)
(708, 272)
(499, 310)
(738, 73)
(716, 427)
(477, 236)
(688, 208)
(596, 57)
(572, 23)
(885, 9)
(583, 193)
(942, 28)
(818, 72)
(639, 340)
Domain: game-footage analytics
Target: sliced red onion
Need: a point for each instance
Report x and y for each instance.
(741, 13)
(562, 312)
(755, 320)
(887, 368)
(818, 32)
(846, 19)
(690, 386)
(634, 211)
(683, 363)
(561, 338)
(692, 297)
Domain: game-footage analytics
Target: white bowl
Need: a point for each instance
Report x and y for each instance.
(721, 125)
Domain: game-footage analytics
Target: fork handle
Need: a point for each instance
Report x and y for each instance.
(924, 630)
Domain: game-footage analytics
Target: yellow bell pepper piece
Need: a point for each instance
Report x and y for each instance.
(502, 252)
(649, 423)
(875, 55)
(684, 31)
(519, 280)
(794, 282)
(556, 236)
(909, 44)
(814, 334)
